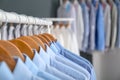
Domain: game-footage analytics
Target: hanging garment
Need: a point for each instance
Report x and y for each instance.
(76, 59)
(35, 30)
(29, 30)
(100, 39)
(5, 73)
(4, 33)
(17, 31)
(24, 30)
(86, 26)
(0, 35)
(118, 23)
(36, 71)
(113, 25)
(67, 10)
(21, 72)
(11, 33)
(41, 64)
(79, 23)
(107, 20)
(91, 10)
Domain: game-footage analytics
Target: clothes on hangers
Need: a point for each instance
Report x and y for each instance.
(11, 32)
(17, 31)
(4, 32)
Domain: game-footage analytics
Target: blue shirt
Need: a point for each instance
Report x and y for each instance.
(76, 59)
(35, 71)
(5, 73)
(86, 26)
(21, 72)
(62, 67)
(69, 63)
(40, 63)
(118, 24)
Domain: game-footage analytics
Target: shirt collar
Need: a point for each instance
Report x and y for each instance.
(49, 51)
(31, 66)
(21, 72)
(54, 48)
(5, 73)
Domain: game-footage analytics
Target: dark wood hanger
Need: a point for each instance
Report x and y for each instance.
(39, 42)
(43, 39)
(12, 49)
(23, 47)
(30, 42)
(5, 56)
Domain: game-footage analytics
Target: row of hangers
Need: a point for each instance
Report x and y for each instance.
(24, 44)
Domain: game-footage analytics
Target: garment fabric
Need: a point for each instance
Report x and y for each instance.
(86, 26)
(100, 39)
(17, 31)
(29, 30)
(11, 33)
(76, 59)
(42, 65)
(4, 32)
(107, 25)
(35, 30)
(23, 30)
(21, 72)
(117, 2)
(36, 71)
(67, 10)
(5, 73)
(113, 25)
(79, 23)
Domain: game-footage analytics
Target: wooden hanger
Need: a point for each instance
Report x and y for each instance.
(50, 37)
(23, 47)
(30, 42)
(46, 37)
(12, 49)
(43, 39)
(39, 42)
(5, 56)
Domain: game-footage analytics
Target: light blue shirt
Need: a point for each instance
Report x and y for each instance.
(5, 73)
(35, 71)
(86, 26)
(67, 62)
(40, 63)
(21, 72)
(76, 59)
(60, 66)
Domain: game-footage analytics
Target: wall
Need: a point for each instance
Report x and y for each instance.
(107, 65)
(38, 8)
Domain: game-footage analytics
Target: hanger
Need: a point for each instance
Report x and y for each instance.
(30, 42)
(39, 42)
(50, 37)
(5, 56)
(46, 37)
(43, 39)
(23, 47)
(12, 49)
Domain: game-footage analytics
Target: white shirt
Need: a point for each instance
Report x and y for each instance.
(4, 32)
(29, 30)
(17, 31)
(24, 30)
(11, 33)
(35, 30)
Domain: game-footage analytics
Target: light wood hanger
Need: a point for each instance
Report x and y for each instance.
(47, 38)
(50, 37)
(39, 42)
(12, 49)
(30, 42)
(5, 56)
(23, 47)
(43, 39)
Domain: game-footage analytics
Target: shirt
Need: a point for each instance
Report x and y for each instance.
(11, 33)
(40, 63)
(79, 23)
(58, 65)
(117, 2)
(4, 32)
(21, 72)
(29, 30)
(69, 63)
(36, 71)
(76, 59)
(86, 26)
(35, 30)
(24, 30)
(5, 73)
(17, 31)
